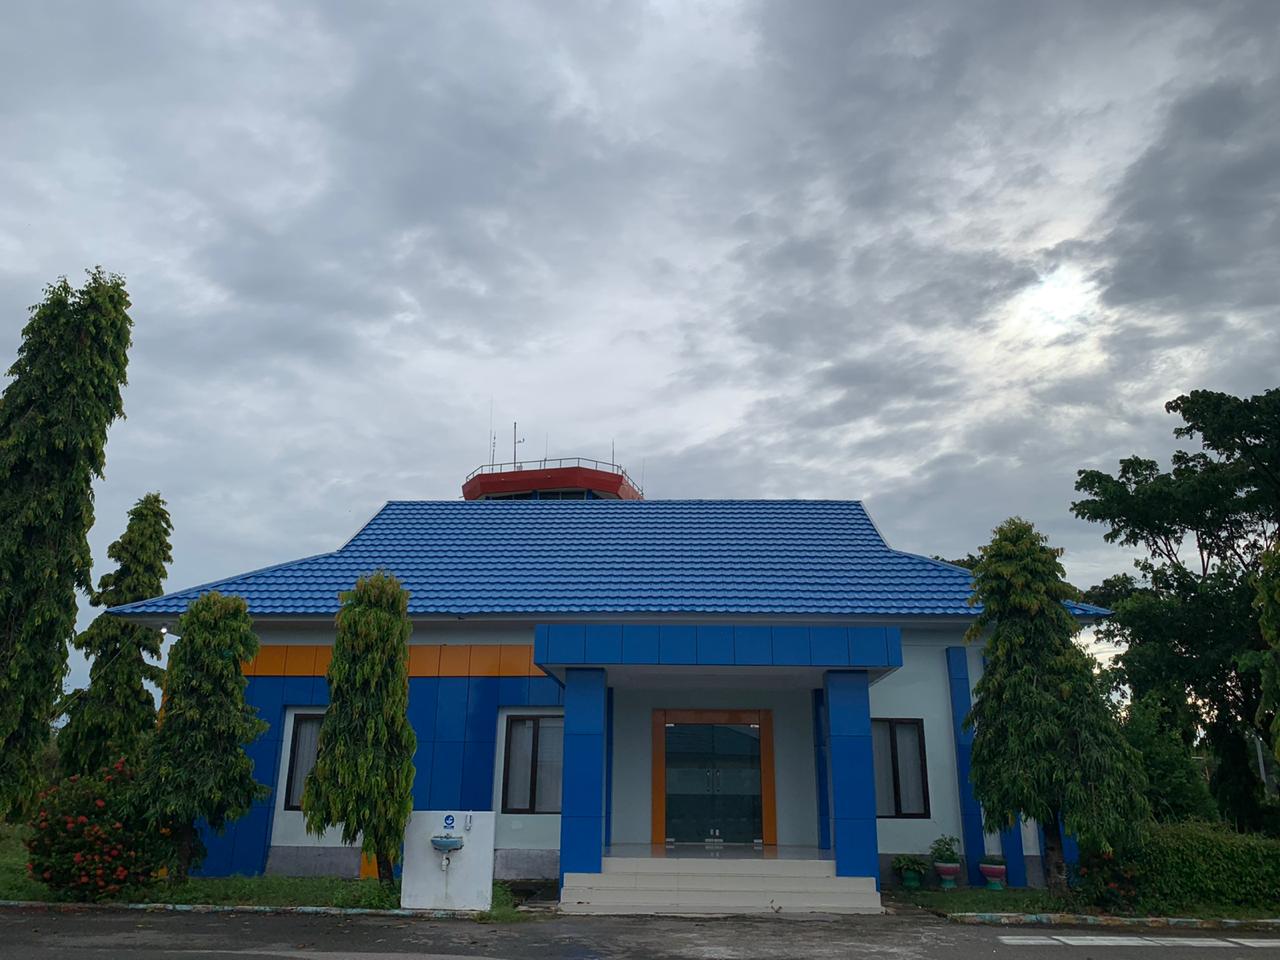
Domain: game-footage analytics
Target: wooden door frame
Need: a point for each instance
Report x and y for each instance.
(658, 773)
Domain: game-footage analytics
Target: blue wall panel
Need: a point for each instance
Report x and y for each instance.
(970, 812)
(249, 841)
(791, 646)
(752, 645)
(423, 693)
(297, 691)
(639, 645)
(545, 692)
(567, 643)
(513, 692)
(451, 708)
(423, 757)
(604, 644)
(445, 790)
(741, 645)
(677, 645)
(477, 775)
(482, 708)
(867, 645)
(829, 646)
(715, 645)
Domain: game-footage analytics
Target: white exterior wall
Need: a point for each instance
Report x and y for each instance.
(794, 775)
(920, 689)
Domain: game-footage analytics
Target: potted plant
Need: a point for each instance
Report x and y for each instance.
(994, 869)
(910, 870)
(946, 860)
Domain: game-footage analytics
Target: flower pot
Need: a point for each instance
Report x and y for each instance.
(911, 879)
(995, 874)
(947, 873)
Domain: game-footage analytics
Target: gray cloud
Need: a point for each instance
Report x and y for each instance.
(937, 257)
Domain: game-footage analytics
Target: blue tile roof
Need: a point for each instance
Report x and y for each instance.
(752, 557)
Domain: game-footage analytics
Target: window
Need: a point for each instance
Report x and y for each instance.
(902, 783)
(302, 756)
(531, 771)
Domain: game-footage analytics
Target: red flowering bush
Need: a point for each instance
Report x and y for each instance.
(87, 842)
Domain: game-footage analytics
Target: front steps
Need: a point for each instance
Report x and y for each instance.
(717, 886)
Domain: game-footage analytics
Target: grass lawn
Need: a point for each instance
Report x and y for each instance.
(968, 900)
(238, 891)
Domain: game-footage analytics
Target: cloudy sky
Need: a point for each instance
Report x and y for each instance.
(936, 256)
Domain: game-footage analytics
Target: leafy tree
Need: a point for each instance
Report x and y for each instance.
(1187, 621)
(196, 767)
(1046, 741)
(1176, 785)
(1268, 604)
(110, 718)
(54, 416)
(363, 776)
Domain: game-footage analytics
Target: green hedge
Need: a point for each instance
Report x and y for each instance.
(1176, 866)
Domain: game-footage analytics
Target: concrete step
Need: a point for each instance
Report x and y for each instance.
(714, 866)
(647, 880)
(581, 900)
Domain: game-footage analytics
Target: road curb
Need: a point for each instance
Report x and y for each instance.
(58, 907)
(1095, 920)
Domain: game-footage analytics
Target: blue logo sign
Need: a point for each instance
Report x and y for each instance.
(448, 821)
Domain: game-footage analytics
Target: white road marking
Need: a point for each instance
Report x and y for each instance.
(1116, 941)
(1188, 942)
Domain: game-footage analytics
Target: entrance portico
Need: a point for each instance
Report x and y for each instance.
(726, 738)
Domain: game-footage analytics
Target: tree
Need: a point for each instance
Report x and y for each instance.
(363, 775)
(1187, 621)
(54, 416)
(1046, 743)
(111, 717)
(1268, 604)
(1176, 785)
(196, 767)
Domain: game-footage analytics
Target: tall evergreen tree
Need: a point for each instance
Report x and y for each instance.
(363, 777)
(110, 718)
(196, 767)
(1046, 743)
(54, 416)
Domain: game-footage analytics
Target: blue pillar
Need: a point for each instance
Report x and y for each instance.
(853, 791)
(970, 813)
(582, 800)
(1011, 848)
(820, 768)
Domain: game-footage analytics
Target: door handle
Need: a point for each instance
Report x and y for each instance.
(718, 789)
(709, 789)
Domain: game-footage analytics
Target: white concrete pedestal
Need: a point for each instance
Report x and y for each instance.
(468, 882)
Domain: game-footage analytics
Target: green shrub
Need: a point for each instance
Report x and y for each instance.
(87, 842)
(1176, 866)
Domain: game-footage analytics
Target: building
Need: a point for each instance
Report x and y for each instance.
(623, 681)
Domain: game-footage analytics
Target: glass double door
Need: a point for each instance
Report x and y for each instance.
(713, 782)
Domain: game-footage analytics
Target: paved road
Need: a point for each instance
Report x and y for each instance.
(29, 935)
